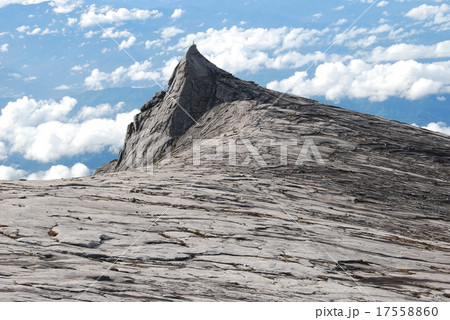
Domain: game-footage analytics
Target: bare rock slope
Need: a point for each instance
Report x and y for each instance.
(369, 222)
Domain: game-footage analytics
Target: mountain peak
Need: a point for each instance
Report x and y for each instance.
(196, 86)
(192, 50)
(206, 102)
(194, 65)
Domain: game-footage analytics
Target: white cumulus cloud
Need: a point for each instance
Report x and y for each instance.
(170, 32)
(139, 71)
(438, 127)
(11, 173)
(4, 47)
(403, 51)
(64, 6)
(105, 109)
(113, 33)
(77, 68)
(52, 140)
(369, 35)
(22, 28)
(60, 171)
(340, 21)
(151, 43)
(37, 112)
(237, 49)
(432, 14)
(55, 172)
(358, 79)
(177, 13)
(107, 15)
(125, 44)
(71, 21)
(35, 31)
(48, 132)
(90, 34)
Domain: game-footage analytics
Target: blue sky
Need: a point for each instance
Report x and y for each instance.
(74, 73)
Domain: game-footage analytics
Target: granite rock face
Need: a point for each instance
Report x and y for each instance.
(363, 216)
(195, 87)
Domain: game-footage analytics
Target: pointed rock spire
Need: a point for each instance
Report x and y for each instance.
(196, 86)
(194, 65)
(193, 86)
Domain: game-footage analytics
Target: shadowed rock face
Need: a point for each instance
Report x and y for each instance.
(370, 222)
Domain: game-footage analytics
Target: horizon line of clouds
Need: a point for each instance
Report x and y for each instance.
(54, 172)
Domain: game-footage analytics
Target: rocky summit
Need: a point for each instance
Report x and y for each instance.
(195, 87)
(228, 191)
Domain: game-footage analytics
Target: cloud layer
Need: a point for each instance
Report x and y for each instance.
(403, 51)
(237, 49)
(49, 132)
(60, 171)
(138, 71)
(55, 172)
(377, 82)
(106, 15)
(438, 127)
(432, 15)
